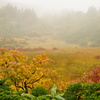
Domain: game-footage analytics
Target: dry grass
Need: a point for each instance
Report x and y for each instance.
(71, 63)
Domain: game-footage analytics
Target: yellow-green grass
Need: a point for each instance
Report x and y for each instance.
(71, 63)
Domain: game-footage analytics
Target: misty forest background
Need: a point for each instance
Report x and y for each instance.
(23, 28)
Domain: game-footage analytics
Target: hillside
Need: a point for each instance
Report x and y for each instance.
(72, 27)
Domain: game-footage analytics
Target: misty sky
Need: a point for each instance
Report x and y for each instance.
(42, 7)
(57, 5)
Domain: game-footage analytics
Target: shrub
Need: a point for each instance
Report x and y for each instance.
(73, 92)
(54, 95)
(88, 91)
(39, 91)
(91, 91)
(43, 97)
(6, 93)
(94, 76)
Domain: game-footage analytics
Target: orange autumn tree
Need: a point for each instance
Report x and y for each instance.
(26, 74)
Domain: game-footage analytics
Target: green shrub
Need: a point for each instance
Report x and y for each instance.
(77, 91)
(6, 93)
(38, 91)
(73, 92)
(10, 97)
(54, 95)
(43, 97)
(91, 91)
(28, 96)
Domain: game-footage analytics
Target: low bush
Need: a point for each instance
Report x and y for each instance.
(88, 91)
(6, 93)
(39, 91)
(43, 97)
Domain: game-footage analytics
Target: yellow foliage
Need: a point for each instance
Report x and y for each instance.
(26, 75)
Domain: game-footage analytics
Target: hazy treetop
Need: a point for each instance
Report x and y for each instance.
(55, 5)
(60, 4)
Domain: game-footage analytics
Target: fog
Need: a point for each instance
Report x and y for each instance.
(49, 23)
(53, 6)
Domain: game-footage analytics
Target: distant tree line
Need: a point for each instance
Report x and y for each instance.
(74, 27)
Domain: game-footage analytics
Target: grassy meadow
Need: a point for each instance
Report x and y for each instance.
(71, 63)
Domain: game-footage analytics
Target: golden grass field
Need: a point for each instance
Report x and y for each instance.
(71, 63)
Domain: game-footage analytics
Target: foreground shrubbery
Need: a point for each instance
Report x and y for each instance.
(88, 91)
(6, 93)
(76, 91)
